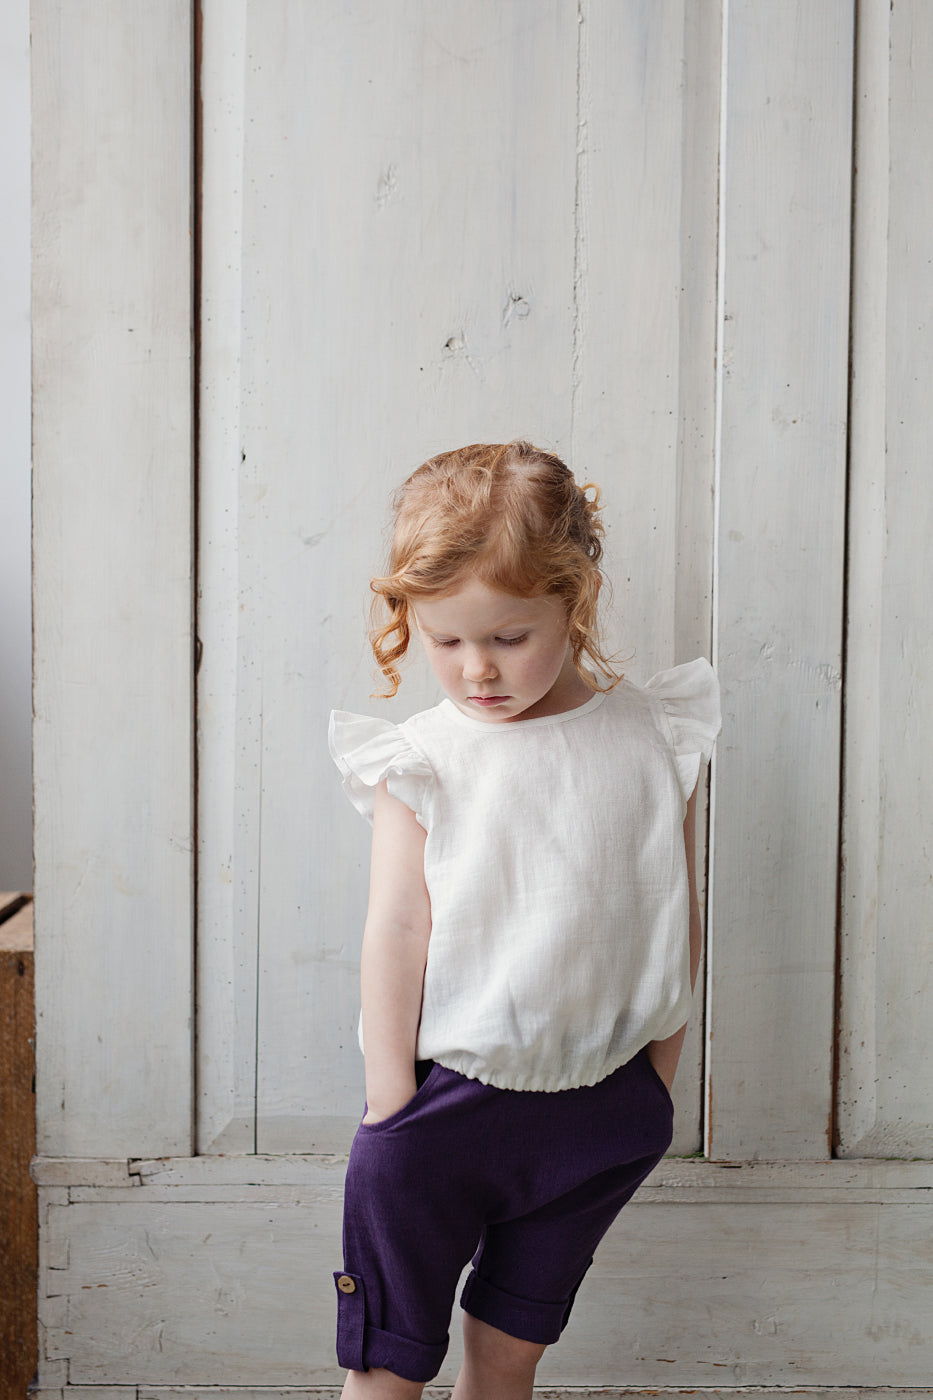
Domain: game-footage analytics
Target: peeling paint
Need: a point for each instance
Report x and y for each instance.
(387, 186)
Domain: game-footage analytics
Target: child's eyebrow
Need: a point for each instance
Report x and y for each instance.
(493, 631)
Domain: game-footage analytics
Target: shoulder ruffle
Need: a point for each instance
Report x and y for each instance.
(368, 750)
(689, 696)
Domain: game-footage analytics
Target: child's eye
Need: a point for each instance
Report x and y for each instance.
(512, 641)
(444, 641)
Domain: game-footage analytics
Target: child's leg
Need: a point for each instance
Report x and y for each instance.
(379, 1385)
(413, 1216)
(495, 1364)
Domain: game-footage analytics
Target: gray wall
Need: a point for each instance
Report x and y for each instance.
(15, 707)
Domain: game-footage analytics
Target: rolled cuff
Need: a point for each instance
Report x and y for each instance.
(525, 1318)
(361, 1347)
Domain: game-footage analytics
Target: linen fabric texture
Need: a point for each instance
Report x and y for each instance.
(555, 865)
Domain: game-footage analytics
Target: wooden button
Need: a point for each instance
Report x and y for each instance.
(346, 1284)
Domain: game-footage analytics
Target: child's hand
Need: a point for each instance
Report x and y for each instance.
(385, 1109)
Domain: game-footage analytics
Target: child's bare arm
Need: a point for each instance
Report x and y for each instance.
(395, 948)
(666, 1053)
(696, 926)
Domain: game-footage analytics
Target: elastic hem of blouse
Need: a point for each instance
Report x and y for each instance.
(523, 1086)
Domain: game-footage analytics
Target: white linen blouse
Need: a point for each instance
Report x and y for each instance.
(555, 864)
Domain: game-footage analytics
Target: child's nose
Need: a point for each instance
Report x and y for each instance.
(478, 665)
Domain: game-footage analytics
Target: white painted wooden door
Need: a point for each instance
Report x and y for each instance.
(423, 225)
(622, 230)
(626, 229)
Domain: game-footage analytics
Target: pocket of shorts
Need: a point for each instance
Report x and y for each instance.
(656, 1077)
(402, 1113)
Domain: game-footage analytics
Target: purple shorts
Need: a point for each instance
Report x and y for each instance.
(525, 1184)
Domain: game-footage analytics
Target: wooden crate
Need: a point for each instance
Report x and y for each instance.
(18, 1211)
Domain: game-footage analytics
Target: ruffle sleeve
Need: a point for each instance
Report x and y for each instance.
(689, 696)
(368, 750)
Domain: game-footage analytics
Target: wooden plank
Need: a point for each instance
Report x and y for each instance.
(802, 1294)
(329, 1191)
(245, 1171)
(456, 221)
(53, 1256)
(16, 930)
(11, 903)
(779, 577)
(576, 1393)
(644, 365)
(97, 1392)
(863, 808)
(228, 680)
(113, 573)
(696, 375)
(15, 485)
(655, 1306)
(645, 334)
(886, 1044)
(18, 1201)
(445, 286)
(293, 1171)
(469, 204)
(69, 1171)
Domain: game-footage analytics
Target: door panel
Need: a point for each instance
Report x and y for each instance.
(423, 225)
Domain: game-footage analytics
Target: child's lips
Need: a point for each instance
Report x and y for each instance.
(488, 699)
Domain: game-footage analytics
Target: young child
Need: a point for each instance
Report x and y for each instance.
(532, 935)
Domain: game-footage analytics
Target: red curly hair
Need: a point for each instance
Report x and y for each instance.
(513, 516)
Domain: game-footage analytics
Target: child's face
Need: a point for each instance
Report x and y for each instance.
(499, 657)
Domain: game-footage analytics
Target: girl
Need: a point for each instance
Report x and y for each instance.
(532, 935)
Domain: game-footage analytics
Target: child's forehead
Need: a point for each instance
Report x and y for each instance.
(475, 603)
